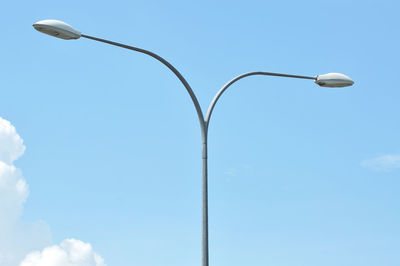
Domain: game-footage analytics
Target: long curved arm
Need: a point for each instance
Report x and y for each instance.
(227, 85)
(173, 69)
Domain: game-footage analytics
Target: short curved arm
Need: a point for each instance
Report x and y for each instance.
(172, 68)
(227, 85)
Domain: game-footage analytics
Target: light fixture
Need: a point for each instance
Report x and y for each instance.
(333, 80)
(57, 29)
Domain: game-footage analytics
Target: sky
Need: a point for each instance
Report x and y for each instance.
(100, 147)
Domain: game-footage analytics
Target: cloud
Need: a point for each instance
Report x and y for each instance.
(232, 172)
(17, 237)
(11, 144)
(383, 163)
(70, 252)
(13, 188)
(13, 192)
(239, 170)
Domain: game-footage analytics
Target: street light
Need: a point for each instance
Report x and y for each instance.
(57, 29)
(333, 80)
(62, 30)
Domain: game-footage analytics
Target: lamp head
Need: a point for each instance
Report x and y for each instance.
(333, 80)
(57, 29)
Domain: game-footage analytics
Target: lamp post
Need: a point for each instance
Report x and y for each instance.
(62, 30)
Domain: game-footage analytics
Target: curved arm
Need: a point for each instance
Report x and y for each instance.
(173, 69)
(227, 85)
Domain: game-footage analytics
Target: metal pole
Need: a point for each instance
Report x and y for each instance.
(205, 205)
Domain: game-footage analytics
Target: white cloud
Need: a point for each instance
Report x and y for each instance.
(232, 172)
(242, 169)
(70, 252)
(13, 192)
(11, 144)
(17, 237)
(383, 163)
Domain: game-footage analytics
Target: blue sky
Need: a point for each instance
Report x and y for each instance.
(298, 174)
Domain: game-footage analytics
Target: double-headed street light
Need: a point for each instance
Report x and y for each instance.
(64, 31)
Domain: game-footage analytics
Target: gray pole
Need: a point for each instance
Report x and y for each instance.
(204, 238)
(203, 125)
